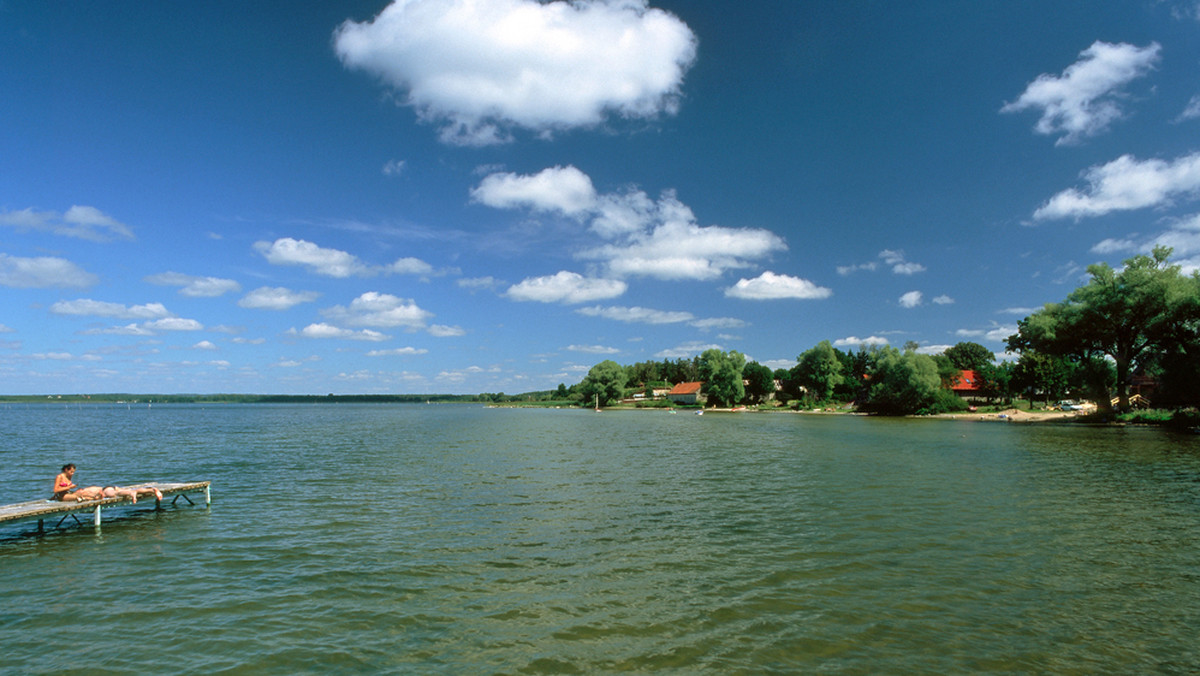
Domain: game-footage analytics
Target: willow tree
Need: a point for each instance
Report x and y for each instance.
(1130, 316)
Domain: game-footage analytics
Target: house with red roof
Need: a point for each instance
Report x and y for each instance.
(687, 393)
(966, 385)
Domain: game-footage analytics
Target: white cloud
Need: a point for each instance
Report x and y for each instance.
(933, 349)
(900, 265)
(714, 323)
(1191, 111)
(624, 214)
(479, 69)
(565, 287)
(80, 221)
(1124, 184)
(476, 283)
(173, 324)
(328, 262)
(943, 300)
(204, 345)
(53, 356)
(844, 270)
(1112, 245)
(195, 287)
(397, 352)
(380, 310)
(1083, 101)
(127, 330)
(276, 298)
(443, 331)
(674, 247)
(908, 268)
(771, 286)
(639, 315)
(997, 333)
(410, 266)
(97, 308)
(1182, 236)
(563, 189)
(893, 258)
(686, 350)
(393, 168)
(593, 349)
(333, 262)
(1000, 332)
(323, 330)
(911, 299)
(855, 341)
(43, 273)
(656, 239)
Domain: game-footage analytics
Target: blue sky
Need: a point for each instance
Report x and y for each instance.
(461, 196)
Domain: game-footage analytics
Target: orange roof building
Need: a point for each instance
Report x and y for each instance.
(687, 393)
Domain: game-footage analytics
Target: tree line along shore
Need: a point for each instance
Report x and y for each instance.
(1127, 339)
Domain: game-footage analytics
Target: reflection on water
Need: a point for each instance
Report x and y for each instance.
(465, 540)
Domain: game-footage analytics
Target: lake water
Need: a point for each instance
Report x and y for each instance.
(461, 540)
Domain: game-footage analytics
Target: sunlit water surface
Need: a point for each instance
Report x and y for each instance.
(454, 539)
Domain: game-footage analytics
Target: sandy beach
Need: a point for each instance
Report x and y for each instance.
(1013, 415)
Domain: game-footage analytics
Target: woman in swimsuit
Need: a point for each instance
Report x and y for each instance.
(63, 483)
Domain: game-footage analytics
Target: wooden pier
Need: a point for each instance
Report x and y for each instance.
(51, 509)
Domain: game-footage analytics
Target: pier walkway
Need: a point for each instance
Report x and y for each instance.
(50, 509)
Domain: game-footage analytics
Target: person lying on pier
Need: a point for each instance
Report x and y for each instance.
(98, 493)
(63, 483)
(132, 493)
(89, 493)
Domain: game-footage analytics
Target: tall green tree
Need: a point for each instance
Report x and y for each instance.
(1130, 316)
(605, 383)
(760, 381)
(968, 356)
(903, 383)
(1040, 373)
(996, 381)
(820, 371)
(722, 375)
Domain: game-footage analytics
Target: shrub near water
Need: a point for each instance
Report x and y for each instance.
(908, 383)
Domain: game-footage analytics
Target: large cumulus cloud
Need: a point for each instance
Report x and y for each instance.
(479, 69)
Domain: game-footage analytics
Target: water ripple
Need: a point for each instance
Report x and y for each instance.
(456, 540)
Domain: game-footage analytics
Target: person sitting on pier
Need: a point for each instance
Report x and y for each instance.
(63, 483)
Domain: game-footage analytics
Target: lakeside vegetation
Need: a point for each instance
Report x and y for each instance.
(1133, 328)
(1138, 326)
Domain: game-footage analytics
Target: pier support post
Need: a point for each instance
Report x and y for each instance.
(207, 496)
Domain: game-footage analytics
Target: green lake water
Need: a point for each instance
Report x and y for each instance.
(463, 540)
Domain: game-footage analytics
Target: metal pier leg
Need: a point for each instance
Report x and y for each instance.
(96, 518)
(207, 496)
